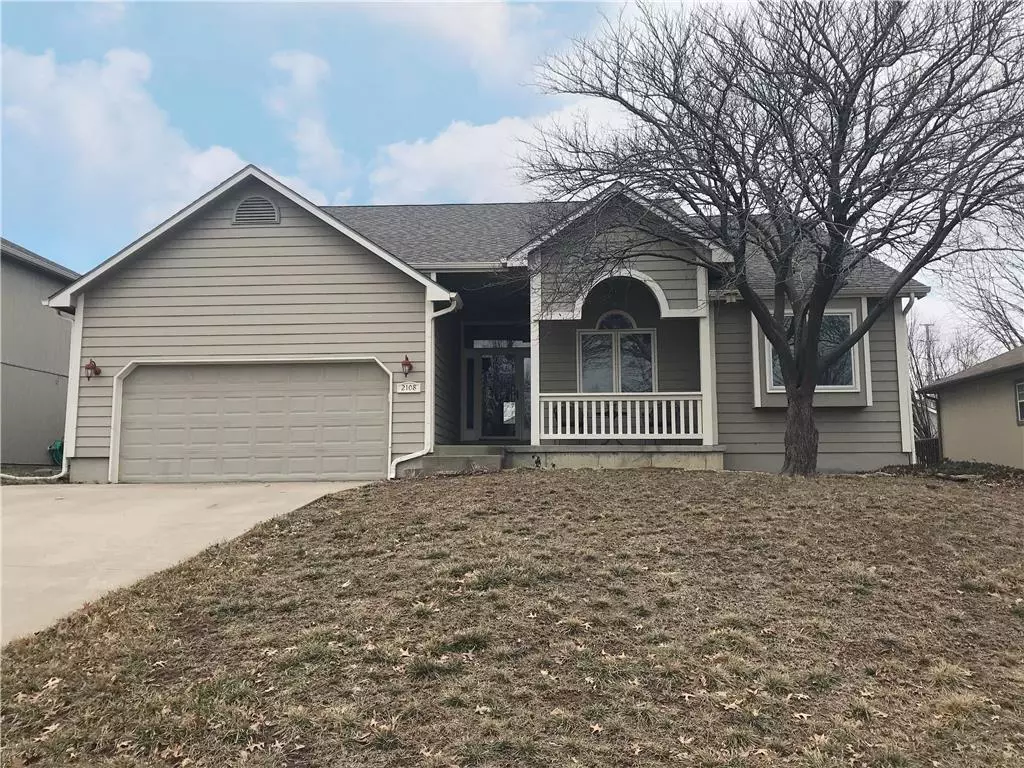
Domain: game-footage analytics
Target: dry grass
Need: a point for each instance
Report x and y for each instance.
(539, 618)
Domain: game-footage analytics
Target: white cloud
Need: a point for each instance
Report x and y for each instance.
(500, 40)
(299, 102)
(108, 154)
(103, 13)
(465, 163)
(98, 120)
(473, 163)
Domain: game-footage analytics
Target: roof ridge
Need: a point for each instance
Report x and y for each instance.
(438, 205)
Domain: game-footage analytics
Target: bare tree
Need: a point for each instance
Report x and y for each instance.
(990, 291)
(934, 355)
(805, 136)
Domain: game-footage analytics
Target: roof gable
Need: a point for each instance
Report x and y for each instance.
(66, 299)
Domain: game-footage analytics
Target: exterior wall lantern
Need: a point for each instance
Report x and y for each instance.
(407, 366)
(91, 369)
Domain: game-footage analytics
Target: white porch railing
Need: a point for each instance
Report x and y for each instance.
(621, 416)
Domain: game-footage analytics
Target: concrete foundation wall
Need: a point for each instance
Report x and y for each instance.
(87, 470)
(619, 458)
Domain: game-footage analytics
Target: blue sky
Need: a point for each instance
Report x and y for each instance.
(115, 115)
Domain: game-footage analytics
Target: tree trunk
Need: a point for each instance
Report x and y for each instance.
(801, 435)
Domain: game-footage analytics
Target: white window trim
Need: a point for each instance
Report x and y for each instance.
(616, 367)
(1018, 391)
(772, 388)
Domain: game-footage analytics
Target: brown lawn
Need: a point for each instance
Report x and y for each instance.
(559, 618)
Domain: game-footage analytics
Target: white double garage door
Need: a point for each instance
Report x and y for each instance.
(259, 421)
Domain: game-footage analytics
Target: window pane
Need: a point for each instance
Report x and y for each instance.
(776, 368)
(1020, 401)
(470, 392)
(636, 360)
(596, 362)
(834, 331)
(616, 320)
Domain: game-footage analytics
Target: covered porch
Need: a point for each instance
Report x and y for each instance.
(622, 368)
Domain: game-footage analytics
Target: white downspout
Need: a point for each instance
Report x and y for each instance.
(428, 440)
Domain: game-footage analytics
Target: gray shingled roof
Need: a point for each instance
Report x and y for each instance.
(448, 233)
(1004, 362)
(458, 234)
(25, 256)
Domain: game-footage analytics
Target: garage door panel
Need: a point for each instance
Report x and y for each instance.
(301, 421)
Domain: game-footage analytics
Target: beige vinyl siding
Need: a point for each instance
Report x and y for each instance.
(213, 289)
(447, 372)
(978, 420)
(558, 356)
(678, 279)
(851, 438)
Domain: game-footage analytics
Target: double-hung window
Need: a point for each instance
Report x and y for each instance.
(616, 356)
(841, 376)
(1019, 390)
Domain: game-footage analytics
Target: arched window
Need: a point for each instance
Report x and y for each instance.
(257, 209)
(614, 320)
(616, 357)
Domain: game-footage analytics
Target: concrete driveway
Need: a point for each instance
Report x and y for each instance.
(65, 545)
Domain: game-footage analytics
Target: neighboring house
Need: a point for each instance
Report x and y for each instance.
(981, 411)
(256, 336)
(34, 348)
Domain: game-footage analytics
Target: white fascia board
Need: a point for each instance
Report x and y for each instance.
(65, 299)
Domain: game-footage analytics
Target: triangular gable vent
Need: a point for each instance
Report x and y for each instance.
(257, 209)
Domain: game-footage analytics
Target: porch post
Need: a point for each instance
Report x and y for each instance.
(708, 381)
(535, 414)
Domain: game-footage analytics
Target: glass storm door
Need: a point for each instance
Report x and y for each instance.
(497, 396)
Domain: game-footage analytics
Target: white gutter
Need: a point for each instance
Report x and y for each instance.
(466, 266)
(428, 435)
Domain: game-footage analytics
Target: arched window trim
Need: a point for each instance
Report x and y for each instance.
(616, 312)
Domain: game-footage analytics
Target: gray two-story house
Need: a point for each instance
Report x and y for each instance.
(257, 336)
(34, 351)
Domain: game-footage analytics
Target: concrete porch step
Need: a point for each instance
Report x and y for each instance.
(451, 465)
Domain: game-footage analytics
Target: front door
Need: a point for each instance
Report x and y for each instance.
(497, 398)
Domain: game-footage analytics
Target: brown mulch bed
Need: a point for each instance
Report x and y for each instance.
(628, 618)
